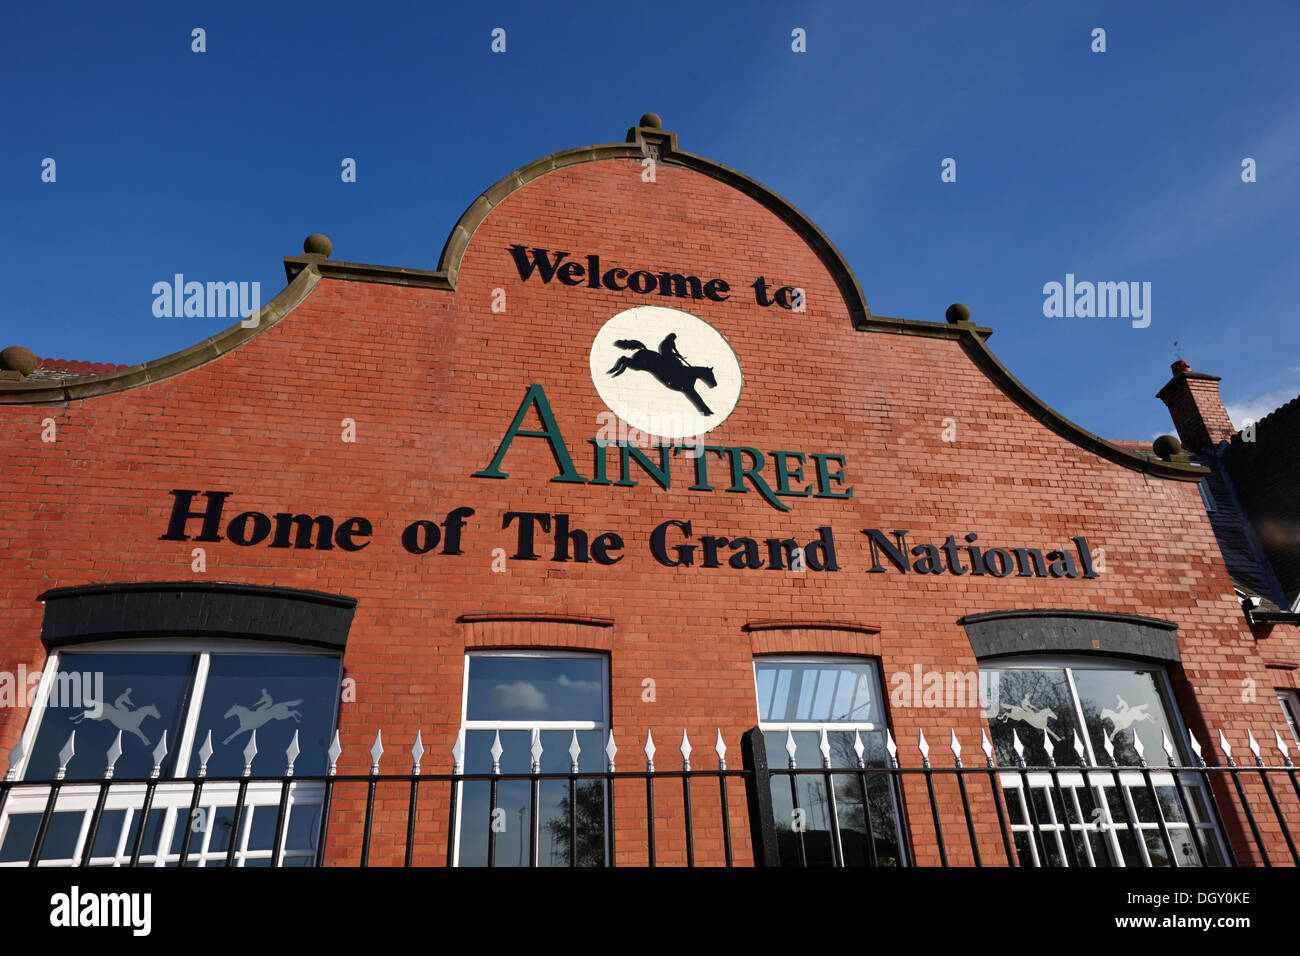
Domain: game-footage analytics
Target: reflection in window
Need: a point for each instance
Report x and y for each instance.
(185, 695)
(1117, 704)
(800, 696)
(555, 696)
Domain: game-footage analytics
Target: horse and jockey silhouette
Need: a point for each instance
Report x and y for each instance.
(264, 711)
(1125, 716)
(668, 367)
(1024, 711)
(120, 715)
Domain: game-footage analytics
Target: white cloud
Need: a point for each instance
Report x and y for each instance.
(1256, 407)
(582, 686)
(519, 695)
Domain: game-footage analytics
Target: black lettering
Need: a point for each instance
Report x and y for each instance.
(562, 538)
(350, 529)
(779, 549)
(238, 531)
(525, 550)
(878, 542)
(711, 545)
(673, 283)
(420, 537)
(954, 556)
(746, 555)
(540, 263)
(717, 290)
(1002, 566)
(454, 523)
(603, 545)
(303, 526)
(820, 554)
(685, 553)
(644, 284)
(181, 515)
(571, 273)
(1024, 557)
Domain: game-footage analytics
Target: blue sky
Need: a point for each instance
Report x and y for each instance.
(1115, 166)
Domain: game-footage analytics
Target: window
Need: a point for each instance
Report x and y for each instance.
(145, 690)
(1095, 701)
(801, 696)
(555, 697)
(1206, 497)
(1290, 701)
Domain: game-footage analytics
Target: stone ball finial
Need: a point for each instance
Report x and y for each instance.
(958, 312)
(317, 245)
(652, 121)
(1166, 446)
(18, 359)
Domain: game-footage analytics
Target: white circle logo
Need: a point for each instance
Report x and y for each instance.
(665, 371)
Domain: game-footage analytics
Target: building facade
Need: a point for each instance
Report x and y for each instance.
(636, 462)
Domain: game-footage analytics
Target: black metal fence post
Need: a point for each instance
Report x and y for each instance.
(758, 797)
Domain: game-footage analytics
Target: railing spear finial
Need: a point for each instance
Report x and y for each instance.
(114, 754)
(417, 753)
(535, 751)
(66, 754)
(159, 755)
(458, 753)
(335, 751)
(250, 752)
(15, 758)
(207, 750)
(574, 752)
(291, 755)
(496, 753)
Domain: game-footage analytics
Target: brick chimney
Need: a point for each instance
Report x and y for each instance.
(1196, 408)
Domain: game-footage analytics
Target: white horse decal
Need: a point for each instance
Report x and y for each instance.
(1024, 711)
(262, 712)
(1125, 716)
(120, 716)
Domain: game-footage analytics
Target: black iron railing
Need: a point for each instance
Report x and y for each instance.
(834, 815)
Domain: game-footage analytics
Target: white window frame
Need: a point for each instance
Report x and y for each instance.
(468, 725)
(1098, 783)
(835, 726)
(173, 799)
(829, 659)
(1290, 702)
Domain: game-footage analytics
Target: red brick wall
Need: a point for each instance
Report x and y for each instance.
(434, 378)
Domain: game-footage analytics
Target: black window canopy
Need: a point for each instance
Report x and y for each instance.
(179, 609)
